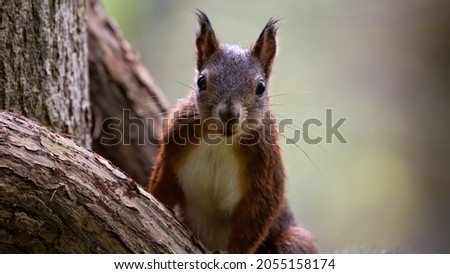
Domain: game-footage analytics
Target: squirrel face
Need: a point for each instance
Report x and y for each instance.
(232, 83)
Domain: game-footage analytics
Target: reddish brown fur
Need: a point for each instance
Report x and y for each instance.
(262, 221)
(206, 44)
(163, 181)
(265, 45)
(263, 178)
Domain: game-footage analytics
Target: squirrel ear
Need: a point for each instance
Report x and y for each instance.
(206, 41)
(265, 47)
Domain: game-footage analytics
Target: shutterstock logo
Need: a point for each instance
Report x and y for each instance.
(132, 130)
(331, 129)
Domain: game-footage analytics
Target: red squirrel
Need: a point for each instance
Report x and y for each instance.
(220, 166)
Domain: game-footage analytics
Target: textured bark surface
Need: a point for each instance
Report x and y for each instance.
(57, 197)
(127, 105)
(43, 61)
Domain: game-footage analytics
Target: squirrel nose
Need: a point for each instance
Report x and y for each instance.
(229, 115)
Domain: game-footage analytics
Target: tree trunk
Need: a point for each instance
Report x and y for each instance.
(60, 198)
(43, 60)
(127, 105)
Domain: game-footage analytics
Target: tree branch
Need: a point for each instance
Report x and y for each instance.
(127, 105)
(58, 197)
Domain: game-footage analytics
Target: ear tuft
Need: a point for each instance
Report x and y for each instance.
(206, 41)
(265, 48)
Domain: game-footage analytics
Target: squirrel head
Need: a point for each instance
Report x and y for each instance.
(231, 82)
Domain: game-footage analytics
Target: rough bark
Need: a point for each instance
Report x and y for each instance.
(58, 197)
(126, 103)
(43, 60)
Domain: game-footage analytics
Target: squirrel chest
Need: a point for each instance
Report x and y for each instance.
(210, 180)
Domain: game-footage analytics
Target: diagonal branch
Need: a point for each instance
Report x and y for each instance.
(58, 197)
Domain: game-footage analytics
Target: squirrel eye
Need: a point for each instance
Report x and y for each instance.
(201, 82)
(260, 88)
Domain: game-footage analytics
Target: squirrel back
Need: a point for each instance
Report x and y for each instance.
(220, 165)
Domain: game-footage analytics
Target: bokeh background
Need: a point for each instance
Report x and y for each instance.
(384, 65)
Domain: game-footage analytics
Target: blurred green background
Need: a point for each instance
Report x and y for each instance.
(385, 65)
